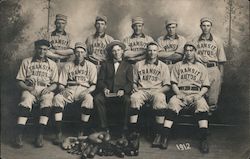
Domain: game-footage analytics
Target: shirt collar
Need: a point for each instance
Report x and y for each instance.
(167, 37)
(82, 63)
(202, 37)
(54, 33)
(96, 35)
(36, 59)
(155, 63)
(140, 36)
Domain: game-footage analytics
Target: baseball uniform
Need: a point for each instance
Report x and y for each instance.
(150, 77)
(190, 82)
(211, 53)
(136, 43)
(40, 74)
(37, 77)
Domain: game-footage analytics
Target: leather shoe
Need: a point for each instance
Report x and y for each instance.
(157, 141)
(39, 141)
(19, 141)
(164, 143)
(204, 148)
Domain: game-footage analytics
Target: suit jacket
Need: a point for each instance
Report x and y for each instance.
(121, 80)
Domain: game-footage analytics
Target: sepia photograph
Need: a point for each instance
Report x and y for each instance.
(139, 79)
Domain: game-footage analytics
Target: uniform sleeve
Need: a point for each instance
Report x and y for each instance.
(175, 74)
(54, 77)
(135, 73)
(21, 75)
(125, 41)
(160, 43)
(165, 75)
(70, 44)
(220, 52)
(93, 74)
(204, 77)
(87, 42)
(182, 42)
(63, 77)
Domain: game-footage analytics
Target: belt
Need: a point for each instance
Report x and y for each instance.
(212, 64)
(41, 84)
(95, 62)
(75, 84)
(62, 60)
(187, 88)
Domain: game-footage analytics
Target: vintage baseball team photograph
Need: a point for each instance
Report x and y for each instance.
(139, 79)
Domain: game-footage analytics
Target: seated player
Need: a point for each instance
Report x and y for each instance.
(116, 77)
(76, 81)
(151, 81)
(190, 82)
(37, 77)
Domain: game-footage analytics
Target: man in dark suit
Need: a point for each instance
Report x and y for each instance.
(115, 85)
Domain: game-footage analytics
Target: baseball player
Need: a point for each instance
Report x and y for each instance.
(151, 81)
(171, 45)
(60, 40)
(37, 77)
(211, 53)
(190, 82)
(116, 76)
(97, 42)
(137, 42)
(76, 81)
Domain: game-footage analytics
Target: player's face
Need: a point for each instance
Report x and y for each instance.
(138, 28)
(206, 27)
(80, 54)
(60, 25)
(117, 52)
(171, 29)
(190, 52)
(41, 51)
(152, 51)
(100, 26)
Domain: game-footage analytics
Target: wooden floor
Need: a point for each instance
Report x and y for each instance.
(226, 142)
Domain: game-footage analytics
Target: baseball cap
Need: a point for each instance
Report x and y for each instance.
(170, 21)
(113, 43)
(80, 45)
(61, 17)
(190, 43)
(42, 42)
(137, 20)
(206, 19)
(101, 18)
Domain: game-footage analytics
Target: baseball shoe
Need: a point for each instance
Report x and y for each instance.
(157, 141)
(39, 141)
(133, 145)
(59, 139)
(164, 143)
(19, 141)
(204, 148)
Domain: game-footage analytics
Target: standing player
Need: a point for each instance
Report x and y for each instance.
(116, 76)
(60, 50)
(151, 81)
(171, 45)
(76, 81)
(190, 82)
(211, 53)
(97, 42)
(37, 77)
(137, 42)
